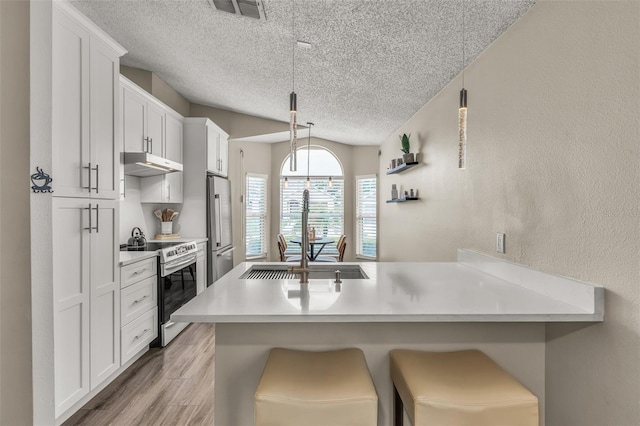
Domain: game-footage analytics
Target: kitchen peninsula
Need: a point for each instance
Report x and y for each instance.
(478, 302)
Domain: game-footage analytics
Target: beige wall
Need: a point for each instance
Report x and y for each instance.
(245, 157)
(15, 289)
(155, 86)
(553, 158)
(238, 125)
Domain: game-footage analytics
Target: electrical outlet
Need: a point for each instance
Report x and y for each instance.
(500, 242)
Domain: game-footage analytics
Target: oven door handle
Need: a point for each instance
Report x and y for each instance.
(172, 267)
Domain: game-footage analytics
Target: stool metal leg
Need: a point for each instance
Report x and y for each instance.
(398, 408)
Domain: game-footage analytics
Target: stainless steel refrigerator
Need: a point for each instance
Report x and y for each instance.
(220, 253)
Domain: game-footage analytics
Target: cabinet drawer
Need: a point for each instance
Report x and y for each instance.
(138, 334)
(138, 298)
(138, 271)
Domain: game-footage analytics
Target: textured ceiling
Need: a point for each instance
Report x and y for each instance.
(372, 64)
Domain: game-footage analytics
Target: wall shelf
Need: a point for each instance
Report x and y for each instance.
(402, 200)
(402, 167)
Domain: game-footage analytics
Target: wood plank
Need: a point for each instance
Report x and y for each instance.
(171, 385)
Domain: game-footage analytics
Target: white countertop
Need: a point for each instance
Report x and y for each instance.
(128, 257)
(401, 292)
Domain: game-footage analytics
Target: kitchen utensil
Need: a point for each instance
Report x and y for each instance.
(174, 214)
(137, 240)
(158, 214)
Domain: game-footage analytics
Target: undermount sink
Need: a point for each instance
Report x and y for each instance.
(319, 272)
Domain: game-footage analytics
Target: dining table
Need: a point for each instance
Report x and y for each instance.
(319, 242)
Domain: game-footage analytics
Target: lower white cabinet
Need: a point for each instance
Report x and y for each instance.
(86, 291)
(201, 268)
(139, 306)
(139, 333)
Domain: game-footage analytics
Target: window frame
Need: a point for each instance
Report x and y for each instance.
(359, 217)
(264, 215)
(301, 176)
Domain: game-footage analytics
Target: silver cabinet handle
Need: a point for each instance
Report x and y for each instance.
(97, 178)
(89, 228)
(139, 272)
(147, 140)
(90, 169)
(141, 299)
(97, 219)
(146, 330)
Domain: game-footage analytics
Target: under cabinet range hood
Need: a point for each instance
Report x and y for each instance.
(144, 164)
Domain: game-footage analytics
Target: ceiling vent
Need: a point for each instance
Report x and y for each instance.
(249, 8)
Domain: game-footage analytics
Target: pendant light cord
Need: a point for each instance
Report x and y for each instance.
(293, 44)
(463, 43)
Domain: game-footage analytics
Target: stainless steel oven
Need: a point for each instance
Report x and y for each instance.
(176, 286)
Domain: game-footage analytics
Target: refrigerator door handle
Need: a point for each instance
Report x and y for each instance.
(218, 220)
(229, 250)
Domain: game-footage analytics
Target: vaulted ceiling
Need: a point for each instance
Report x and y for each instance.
(372, 63)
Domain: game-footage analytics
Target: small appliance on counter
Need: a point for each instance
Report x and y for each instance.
(137, 242)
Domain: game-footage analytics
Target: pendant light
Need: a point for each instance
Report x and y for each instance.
(308, 184)
(462, 111)
(293, 100)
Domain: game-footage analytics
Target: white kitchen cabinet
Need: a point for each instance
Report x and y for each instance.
(86, 292)
(150, 126)
(85, 70)
(217, 149)
(142, 120)
(223, 154)
(201, 268)
(139, 307)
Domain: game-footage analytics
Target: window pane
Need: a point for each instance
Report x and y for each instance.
(256, 216)
(326, 210)
(321, 163)
(366, 230)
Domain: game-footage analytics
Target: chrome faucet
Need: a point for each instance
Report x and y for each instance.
(303, 269)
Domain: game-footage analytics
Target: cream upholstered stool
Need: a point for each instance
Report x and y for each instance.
(458, 388)
(316, 388)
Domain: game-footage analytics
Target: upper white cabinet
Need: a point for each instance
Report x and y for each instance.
(217, 148)
(150, 126)
(142, 120)
(212, 144)
(85, 70)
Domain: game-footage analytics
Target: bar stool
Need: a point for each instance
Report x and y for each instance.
(316, 389)
(458, 388)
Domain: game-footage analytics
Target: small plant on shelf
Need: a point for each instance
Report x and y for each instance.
(407, 157)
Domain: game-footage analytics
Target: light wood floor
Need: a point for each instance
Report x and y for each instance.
(166, 386)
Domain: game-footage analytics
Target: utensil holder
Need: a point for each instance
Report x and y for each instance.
(166, 227)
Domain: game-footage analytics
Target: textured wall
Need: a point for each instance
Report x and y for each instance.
(554, 163)
(15, 289)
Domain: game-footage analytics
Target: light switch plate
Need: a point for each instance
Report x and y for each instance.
(500, 242)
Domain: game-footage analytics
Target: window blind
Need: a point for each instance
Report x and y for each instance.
(326, 210)
(366, 216)
(256, 216)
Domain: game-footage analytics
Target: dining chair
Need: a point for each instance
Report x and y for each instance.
(341, 245)
(282, 248)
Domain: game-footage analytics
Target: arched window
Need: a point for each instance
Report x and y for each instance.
(326, 196)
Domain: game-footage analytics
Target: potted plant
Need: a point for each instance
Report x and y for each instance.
(407, 157)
